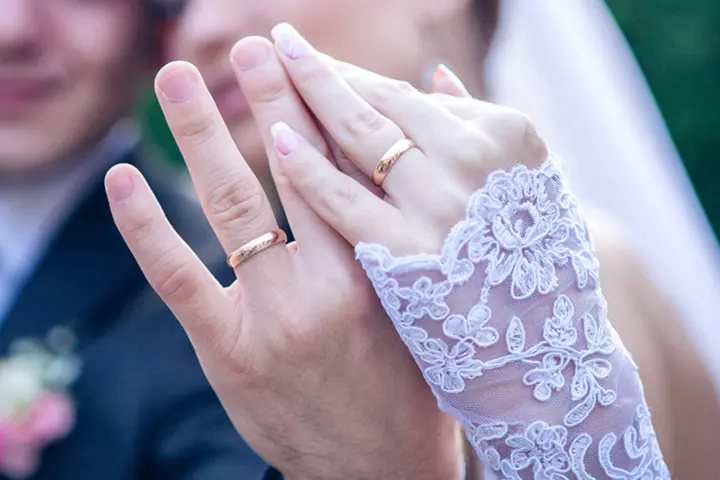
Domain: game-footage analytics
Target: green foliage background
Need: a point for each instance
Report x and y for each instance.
(678, 46)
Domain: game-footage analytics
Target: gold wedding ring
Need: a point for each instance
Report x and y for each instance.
(400, 148)
(253, 247)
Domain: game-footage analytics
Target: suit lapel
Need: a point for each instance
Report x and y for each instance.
(84, 276)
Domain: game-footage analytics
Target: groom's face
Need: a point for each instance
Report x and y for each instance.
(67, 73)
(383, 35)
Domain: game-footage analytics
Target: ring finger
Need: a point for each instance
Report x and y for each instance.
(362, 132)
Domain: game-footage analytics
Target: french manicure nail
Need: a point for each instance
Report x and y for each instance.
(290, 42)
(177, 84)
(286, 140)
(444, 73)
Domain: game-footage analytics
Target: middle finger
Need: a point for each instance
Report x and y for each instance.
(230, 194)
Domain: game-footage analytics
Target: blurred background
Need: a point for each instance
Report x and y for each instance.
(677, 44)
(626, 92)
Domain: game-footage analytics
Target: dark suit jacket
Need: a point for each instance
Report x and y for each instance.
(144, 408)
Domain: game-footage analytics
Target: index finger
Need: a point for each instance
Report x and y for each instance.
(173, 270)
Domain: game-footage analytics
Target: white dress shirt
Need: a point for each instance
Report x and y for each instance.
(31, 213)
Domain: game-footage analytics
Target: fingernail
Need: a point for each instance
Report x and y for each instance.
(177, 83)
(443, 74)
(286, 140)
(119, 183)
(248, 54)
(290, 42)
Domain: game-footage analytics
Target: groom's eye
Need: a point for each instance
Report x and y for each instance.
(166, 9)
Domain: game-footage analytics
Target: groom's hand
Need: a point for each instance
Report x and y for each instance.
(299, 350)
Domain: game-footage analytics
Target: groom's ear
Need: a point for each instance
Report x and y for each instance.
(161, 32)
(161, 17)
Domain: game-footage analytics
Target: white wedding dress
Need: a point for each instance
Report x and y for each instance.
(568, 66)
(509, 327)
(508, 324)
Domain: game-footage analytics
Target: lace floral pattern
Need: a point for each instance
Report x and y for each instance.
(510, 329)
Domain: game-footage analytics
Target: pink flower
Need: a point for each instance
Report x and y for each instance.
(15, 433)
(3, 441)
(34, 416)
(18, 450)
(19, 462)
(51, 417)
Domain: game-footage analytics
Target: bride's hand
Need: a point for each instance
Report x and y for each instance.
(460, 142)
(507, 296)
(299, 350)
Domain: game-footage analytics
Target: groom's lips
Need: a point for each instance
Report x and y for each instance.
(229, 98)
(20, 92)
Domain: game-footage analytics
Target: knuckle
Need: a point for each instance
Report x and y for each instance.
(391, 90)
(173, 279)
(234, 200)
(536, 149)
(139, 228)
(516, 122)
(518, 136)
(269, 92)
(196, 129)
(364, 124)
(517, 125)
(342, 198)
(313, 74)
(402, 87)
(303, 174)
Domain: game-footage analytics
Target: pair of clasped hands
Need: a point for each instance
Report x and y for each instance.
(299, 349)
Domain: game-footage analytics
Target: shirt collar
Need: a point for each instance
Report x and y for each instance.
(31, 213)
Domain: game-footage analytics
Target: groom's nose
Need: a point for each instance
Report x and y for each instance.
(20, 29)
(207, 30)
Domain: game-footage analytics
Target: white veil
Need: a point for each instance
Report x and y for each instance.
(569, 67)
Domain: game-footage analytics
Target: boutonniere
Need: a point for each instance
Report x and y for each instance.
(35, 405)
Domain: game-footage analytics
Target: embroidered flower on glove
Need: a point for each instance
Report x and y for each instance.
(542, 446)
(514, 301)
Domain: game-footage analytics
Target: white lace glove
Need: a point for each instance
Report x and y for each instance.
(510, 329)
(508, 324)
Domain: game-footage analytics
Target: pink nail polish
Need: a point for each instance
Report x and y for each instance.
(290, 42)
(286, 140)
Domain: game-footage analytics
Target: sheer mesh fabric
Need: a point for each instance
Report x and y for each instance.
(509, 327)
